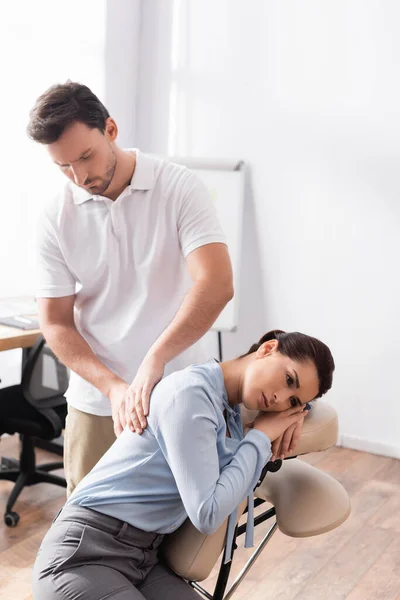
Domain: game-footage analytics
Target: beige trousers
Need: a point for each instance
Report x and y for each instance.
(86, 438)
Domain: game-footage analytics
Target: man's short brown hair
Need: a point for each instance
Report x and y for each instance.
(60, 106)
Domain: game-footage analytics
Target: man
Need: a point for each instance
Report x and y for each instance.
(133, 270)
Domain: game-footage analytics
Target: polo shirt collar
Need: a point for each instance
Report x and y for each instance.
(80, 195)
(143, 178)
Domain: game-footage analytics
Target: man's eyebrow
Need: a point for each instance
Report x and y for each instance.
(67, 165)
(297, 379)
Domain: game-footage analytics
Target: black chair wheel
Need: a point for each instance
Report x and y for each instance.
(11, 519)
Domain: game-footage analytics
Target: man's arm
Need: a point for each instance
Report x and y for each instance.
(56, 317)
(211, 271)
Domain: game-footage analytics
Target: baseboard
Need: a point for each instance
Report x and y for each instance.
(356, 443)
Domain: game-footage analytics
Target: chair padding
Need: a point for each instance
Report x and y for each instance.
(307, 501)
(320, 429)
(192, 554)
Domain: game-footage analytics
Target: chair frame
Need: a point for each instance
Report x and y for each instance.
(225, 568)
(23, 472)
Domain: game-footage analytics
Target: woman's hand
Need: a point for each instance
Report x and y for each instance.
(275, 424)
(286, 443)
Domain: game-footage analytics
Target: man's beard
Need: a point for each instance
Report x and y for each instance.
(105, 183)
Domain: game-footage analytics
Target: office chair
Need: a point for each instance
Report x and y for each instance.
(34, 408)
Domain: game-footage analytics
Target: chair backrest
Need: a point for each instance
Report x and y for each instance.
(44, 378)
(192, 554)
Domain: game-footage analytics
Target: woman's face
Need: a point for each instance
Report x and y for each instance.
(275, 382)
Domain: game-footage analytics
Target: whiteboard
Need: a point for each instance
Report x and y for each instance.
(226, 181)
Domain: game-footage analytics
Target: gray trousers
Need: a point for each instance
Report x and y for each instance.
(87, 555)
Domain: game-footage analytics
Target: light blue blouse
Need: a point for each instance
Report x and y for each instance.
(183, 465)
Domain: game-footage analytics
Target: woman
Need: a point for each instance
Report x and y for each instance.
(193, 460)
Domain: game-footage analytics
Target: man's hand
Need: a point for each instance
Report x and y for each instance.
(137, 398)
(117, 399)
(286, 443)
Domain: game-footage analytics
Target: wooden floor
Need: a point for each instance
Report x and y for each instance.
(358, 561)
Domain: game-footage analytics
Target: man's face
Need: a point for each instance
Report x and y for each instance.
(86, 156)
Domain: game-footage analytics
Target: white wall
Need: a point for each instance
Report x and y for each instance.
(121, 64)
(308, 94)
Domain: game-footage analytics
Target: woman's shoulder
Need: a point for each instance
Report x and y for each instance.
(194, 382)
(206, 375)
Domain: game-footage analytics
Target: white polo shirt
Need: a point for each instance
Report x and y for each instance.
(125, 261)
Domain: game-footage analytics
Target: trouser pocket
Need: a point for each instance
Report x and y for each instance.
(71, 549)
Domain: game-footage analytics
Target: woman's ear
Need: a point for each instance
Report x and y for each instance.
(267, 348)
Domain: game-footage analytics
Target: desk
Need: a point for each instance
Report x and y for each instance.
(11, 337)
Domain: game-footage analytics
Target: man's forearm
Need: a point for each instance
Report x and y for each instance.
(74, 352)
(199, 310)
